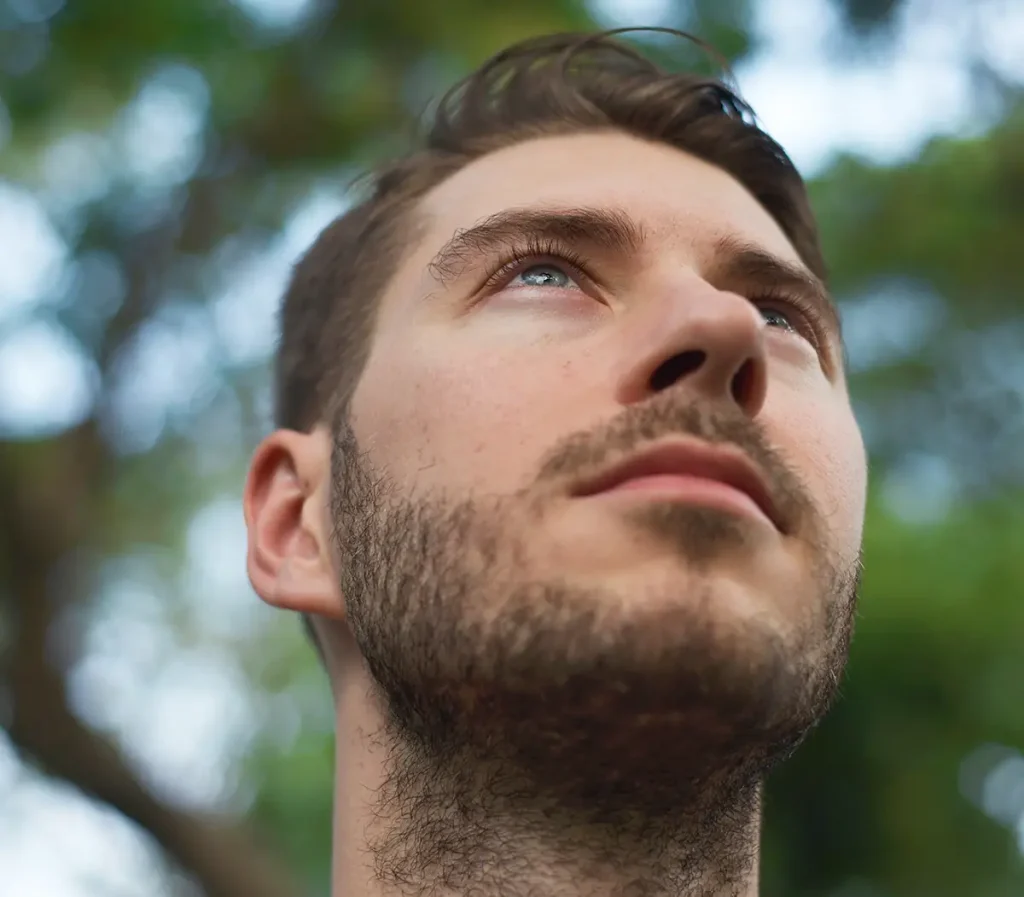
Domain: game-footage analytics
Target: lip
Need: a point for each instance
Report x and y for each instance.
(689, 460)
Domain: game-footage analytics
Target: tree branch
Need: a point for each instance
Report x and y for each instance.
(45, 513)
(49, 495)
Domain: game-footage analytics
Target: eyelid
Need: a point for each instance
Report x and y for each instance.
(815, 323)
(516, 257)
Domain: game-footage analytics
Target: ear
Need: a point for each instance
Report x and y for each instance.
(286, 515)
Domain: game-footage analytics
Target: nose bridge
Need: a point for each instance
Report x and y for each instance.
(684, 330)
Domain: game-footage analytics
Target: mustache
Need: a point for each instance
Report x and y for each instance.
(582, 453)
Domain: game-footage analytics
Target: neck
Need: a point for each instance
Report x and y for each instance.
(464, 825)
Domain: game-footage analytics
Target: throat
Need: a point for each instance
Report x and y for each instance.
(477, 826)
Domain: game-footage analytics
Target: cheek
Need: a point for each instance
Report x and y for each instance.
(821, 438)
(466, 418)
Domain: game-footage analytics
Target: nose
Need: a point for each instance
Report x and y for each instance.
(709, 339)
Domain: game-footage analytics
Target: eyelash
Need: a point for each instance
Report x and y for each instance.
(518, 257)
(809, 321)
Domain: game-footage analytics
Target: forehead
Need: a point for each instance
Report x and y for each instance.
(675, 197)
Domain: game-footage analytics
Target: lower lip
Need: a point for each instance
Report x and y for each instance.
(691, 490)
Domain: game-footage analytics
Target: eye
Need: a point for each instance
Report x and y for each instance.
(544, 275)
(793, 314)
(776, 318)
(538, 264)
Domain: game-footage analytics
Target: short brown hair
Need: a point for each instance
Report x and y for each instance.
(558, 84)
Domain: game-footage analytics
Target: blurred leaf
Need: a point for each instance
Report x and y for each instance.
(872, 804)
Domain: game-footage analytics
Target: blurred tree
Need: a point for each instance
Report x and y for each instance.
(282, 105)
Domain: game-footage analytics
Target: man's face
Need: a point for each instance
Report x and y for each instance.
(506, 602)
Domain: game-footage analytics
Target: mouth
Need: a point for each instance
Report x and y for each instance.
(689, 470)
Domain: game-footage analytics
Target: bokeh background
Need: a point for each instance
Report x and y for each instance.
(162, 163)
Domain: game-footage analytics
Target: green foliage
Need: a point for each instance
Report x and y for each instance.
(295, 802)
(933, 219)
(875, 792)
(874, 803)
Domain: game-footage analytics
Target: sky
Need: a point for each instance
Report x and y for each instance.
(184, 716)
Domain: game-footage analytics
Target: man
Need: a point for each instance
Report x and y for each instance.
(568, 484)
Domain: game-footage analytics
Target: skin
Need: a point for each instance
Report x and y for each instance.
(539, 693)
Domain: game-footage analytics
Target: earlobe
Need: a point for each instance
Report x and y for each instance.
(286, 491)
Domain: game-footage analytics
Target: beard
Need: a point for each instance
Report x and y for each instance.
(518, 700)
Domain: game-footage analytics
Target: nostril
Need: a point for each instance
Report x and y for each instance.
(678, 366)
(743, 384)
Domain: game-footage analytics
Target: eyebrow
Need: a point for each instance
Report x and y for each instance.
(605, 230)
(613, 231)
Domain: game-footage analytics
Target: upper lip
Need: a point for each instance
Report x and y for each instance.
(689, 458)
